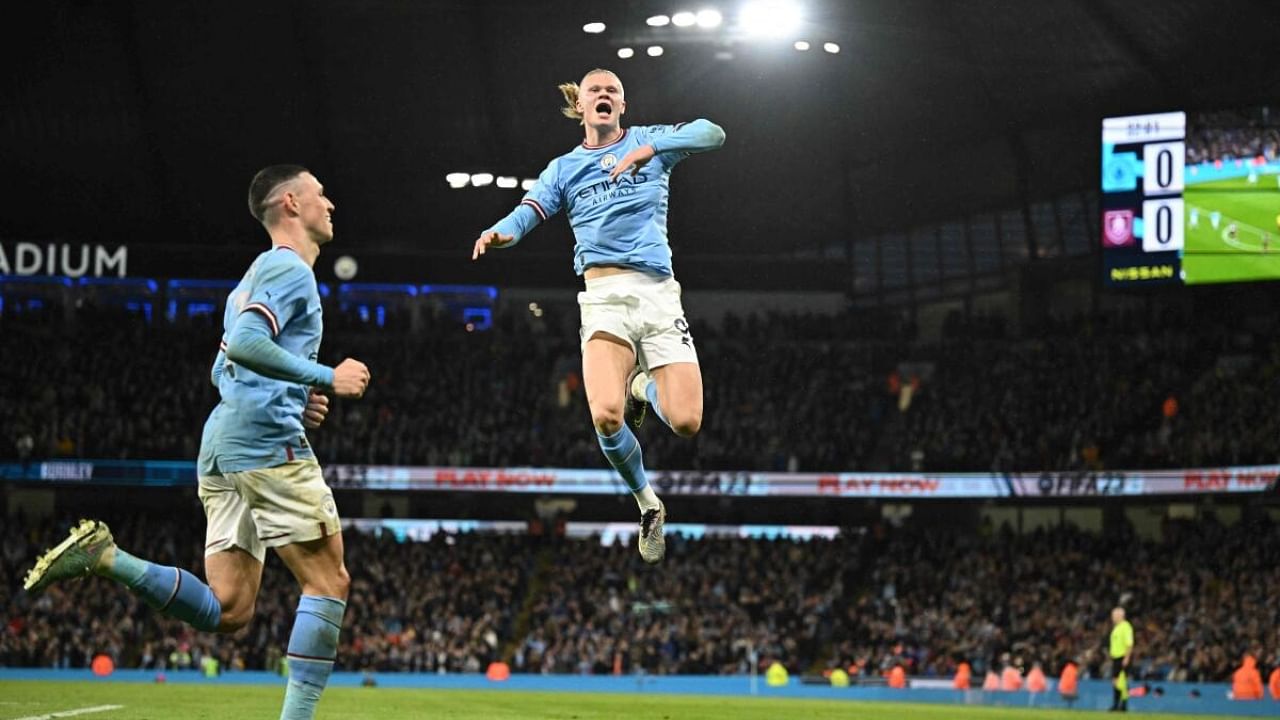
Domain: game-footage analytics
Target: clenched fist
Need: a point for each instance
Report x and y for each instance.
(350, 379)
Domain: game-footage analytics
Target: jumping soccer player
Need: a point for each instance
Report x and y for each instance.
(259, 481)
(636, 345)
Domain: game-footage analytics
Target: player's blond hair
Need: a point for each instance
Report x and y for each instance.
(570, 92)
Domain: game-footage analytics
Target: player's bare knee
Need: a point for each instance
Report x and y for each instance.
(687, 425)
(685, 419)
(341, 583)
(334, 584)
(608, 420)
(237, 605)
(235, 617)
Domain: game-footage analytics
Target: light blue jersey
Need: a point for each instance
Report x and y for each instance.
(621, 221)
(258, 422)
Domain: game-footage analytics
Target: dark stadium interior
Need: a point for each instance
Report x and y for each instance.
(139, 122)
(894, 272)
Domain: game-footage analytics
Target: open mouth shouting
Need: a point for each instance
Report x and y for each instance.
(604, 109)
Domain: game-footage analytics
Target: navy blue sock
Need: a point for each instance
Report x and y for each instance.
(623, 452)
(313, 646)
(173, 591)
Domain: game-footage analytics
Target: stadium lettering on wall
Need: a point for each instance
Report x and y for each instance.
(1225, 480)
(66, 471)
(561, 481)
(703, 483)
(73, 261)
(1075, 484)
(873, 486)
(463, 479)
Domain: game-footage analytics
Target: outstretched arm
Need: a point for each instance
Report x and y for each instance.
(698, 136)
(507, 231)
(541, 202)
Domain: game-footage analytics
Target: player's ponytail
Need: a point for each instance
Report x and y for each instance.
(570, 92)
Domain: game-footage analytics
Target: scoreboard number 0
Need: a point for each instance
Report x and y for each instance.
(1163, 166)
(1162, 225)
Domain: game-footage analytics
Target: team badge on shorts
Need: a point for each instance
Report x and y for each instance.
(608, 161)
(682, 327)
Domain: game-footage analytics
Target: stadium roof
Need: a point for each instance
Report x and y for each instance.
(142, 122)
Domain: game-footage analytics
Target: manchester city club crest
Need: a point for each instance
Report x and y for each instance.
(608, 161)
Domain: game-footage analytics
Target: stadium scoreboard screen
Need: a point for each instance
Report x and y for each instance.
(1191, 198)
(1143, 159)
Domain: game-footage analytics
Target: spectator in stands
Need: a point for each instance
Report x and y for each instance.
(1080, 393)
(451, 604)
(1011, 595)
(23, 445)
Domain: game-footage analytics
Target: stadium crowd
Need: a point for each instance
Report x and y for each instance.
(435, 606)
(712, 604)
(784, 392)
(1199, 598)
(1064, 400)
(1233, 135)
(923, 597)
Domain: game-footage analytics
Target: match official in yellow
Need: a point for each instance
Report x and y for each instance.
(1121, 653)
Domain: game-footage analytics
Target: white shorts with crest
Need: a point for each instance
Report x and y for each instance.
(643, 311)
(270, 507)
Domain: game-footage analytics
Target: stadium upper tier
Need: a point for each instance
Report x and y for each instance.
(784, 392)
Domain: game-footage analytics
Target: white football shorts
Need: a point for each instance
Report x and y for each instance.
(642, 310)
(269, 507)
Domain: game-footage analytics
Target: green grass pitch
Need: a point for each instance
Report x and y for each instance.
(1210, 255)
(140, 701)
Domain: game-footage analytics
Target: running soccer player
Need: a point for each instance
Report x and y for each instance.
(636, 344)
(259, 481)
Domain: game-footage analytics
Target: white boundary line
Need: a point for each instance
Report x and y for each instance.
(72, 713)
(1239, 226)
